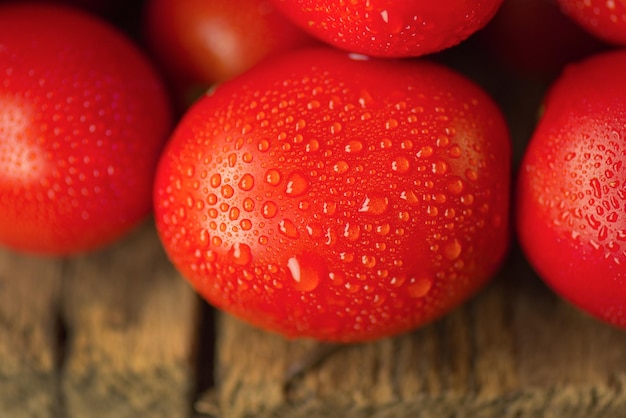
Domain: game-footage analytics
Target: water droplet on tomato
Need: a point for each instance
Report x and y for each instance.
(425, 152)
(296, 184)
(352, 232)
(354, 146)
(245, 224)
(419, 286)
(313, 145)
(440, 167)
(471, 174)
(400, 165)
(288, 229)
(269, 209)
(273, 177)
(240, 254)
(375, 205)
(341, 167)
(306, 271)
(452, 250)
(263, 145)
(227, 191)
(247, 182)
(248, 204)
(215, 180)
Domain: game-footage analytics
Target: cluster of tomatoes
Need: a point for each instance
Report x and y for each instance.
(310, 168)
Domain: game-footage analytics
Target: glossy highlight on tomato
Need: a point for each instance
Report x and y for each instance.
(571, 194)
(83, 119)
(339, 197)
(605, 19)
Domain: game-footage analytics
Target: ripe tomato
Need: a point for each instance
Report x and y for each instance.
(605, 19)
(323, 194)
(199, 42)
(83, 118)
(390, 28)
(571, 199)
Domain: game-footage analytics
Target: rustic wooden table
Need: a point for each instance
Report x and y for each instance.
(119, 334)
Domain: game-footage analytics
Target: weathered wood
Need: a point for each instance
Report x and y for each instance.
(514, 350)
(29, 297)
(131, 324)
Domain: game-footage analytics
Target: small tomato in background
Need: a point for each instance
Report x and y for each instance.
(200, 42)
(390, 28)
(83, 118)
(329, 195)
(571, 195)
(605, 19)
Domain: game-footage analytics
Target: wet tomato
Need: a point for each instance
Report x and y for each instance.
(327, 195)
(571, 195)
(390, 28)
(605, 19)
(83, 119)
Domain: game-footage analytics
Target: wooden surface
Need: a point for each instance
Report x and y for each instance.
(116, 334)
(109, 334)
(515, 350)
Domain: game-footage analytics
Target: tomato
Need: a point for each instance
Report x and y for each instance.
(199, 42)
(605, 19)
(571, 196)
(390, 28)
(329, 195)
(83, 119)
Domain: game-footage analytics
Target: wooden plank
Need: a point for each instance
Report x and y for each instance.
(131, 324)
(514, 350)
(29, 297)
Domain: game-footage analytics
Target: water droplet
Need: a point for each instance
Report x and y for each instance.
(313, 145)
(227, 191)
(455, 151)
(273, 177)
(338, 278)
(596, 187)
(570, 156)
(471, 174)
(368, 261)
(391, 124)
(400, 165)
(314, 230)
(240, 254)
(269, 209)
(352, 232)
(248, 204)
(232, 159)
(410, 197)
(383, 229)
(296, 184)
(215, 180)
(211, 199)
(398, 280)
(247, 182)
(375, 205)
(263, 145)
(425, 152)
(335, 128)
(456, 186)
(419, 286)
(452, 250)
(329, 208)
(354, 146)
(306, 271)
(245, 224)
(288, 229)
(440, 167)
(467, 199)
(341, 167)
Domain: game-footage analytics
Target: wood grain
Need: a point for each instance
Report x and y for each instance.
(515, 350)
(29, 299)
(131, 323)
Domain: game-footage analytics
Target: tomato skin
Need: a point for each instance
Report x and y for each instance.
(602, 18)
(83, 119)
(331, 196)
(571, 195)
(199, 42)
(389, 28)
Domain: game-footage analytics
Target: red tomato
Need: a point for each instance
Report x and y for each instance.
(200, 42)
(571, 199)
(605, 19)
(390, 28)
(83, 118)
(323, 194)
